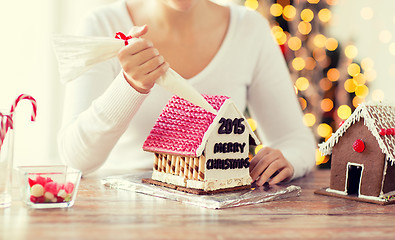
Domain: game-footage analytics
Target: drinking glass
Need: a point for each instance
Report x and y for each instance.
(6, 158)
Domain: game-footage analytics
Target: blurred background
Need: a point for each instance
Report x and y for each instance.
(339, 52)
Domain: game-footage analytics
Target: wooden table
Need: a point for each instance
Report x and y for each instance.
(104, 213)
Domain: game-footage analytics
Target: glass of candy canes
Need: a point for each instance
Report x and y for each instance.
(49, 186)
(7, 148)
(6, 158)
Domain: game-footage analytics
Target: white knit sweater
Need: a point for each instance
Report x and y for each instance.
(106, 121)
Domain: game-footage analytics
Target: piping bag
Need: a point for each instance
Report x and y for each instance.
(77, 54)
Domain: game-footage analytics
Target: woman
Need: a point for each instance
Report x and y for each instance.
(221, 50)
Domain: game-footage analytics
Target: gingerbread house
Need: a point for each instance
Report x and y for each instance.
(198, 150)
(362, 152)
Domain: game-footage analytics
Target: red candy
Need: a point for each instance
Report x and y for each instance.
(387, 131)
(31, 182)
(41, 180)
(358, 146)
(382, 132)
(53, 192)
(69, 187)
(52, 187)
(37, 199)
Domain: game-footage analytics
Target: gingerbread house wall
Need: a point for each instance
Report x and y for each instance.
(234, 139)
(372, 159)
(389, 181)
(191, 168)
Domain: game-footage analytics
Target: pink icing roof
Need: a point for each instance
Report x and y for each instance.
(181, 126)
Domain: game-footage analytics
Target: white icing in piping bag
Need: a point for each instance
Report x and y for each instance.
(77, 54)
(176, 84)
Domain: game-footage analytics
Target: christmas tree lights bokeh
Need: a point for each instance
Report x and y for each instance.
(330, 77)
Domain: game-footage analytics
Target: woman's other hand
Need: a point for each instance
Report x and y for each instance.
(270, 163)
(141, 62)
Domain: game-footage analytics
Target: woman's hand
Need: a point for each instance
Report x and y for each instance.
(269, 162)
(141, 62)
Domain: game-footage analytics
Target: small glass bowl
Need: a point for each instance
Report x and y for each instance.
(49, 186)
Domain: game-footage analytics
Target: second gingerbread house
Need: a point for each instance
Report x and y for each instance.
(362, 153)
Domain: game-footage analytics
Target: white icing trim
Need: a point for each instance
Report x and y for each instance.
(336, 191)
(383, 178)
(326, 147)
(207, 185)
(372, 198)
(365, 110)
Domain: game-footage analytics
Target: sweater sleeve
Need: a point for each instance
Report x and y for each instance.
(273, 103)
(98, 108)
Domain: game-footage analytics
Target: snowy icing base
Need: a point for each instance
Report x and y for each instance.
(360, 195)
(336, 191)
(168, 178)
(206, 185)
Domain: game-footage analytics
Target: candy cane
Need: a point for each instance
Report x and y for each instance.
(4, 125)
(3, 129)
(8, 123)
(27, 97)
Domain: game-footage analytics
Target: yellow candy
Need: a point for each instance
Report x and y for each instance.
(49, 196)
(37, 190)
(62, 193)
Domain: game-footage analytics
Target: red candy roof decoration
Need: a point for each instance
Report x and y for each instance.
(379, 118)
(388, 131)
(182, 126)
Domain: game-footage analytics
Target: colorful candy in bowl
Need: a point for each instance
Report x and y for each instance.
(49, 186)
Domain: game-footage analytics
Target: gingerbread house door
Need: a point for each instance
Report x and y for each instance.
(345, 174)
(353, 178)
